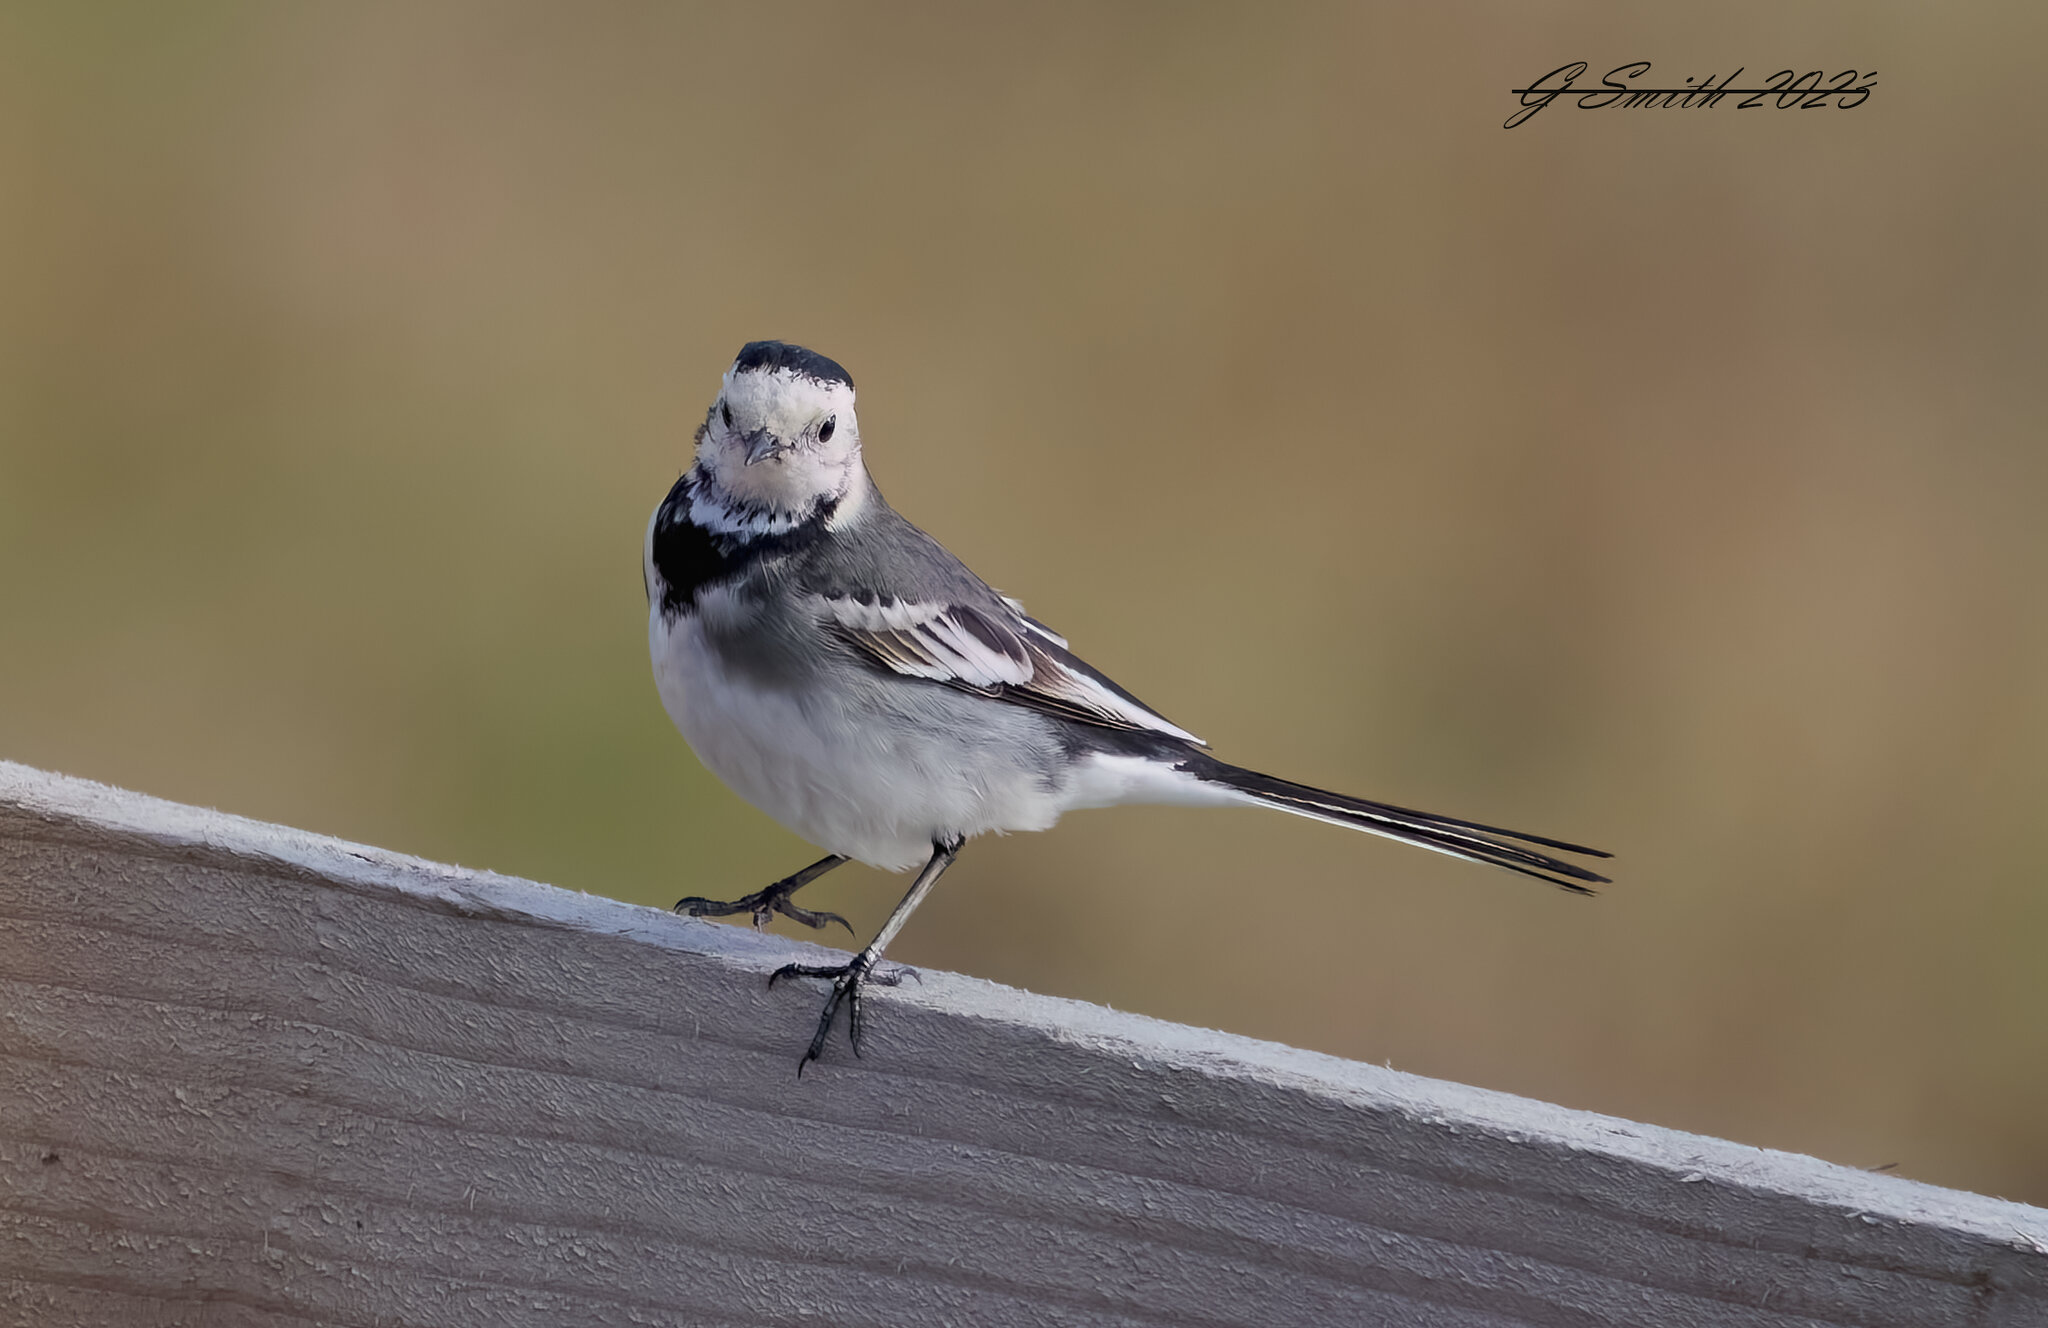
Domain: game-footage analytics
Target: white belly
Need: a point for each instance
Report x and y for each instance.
(864, 785)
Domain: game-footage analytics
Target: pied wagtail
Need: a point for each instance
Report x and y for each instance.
(843, 672)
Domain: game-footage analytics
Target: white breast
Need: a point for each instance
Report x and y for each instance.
(851, 781)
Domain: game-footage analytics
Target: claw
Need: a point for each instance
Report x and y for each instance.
(763, 904)
(847, 982)
(816, 919)
(847, 979)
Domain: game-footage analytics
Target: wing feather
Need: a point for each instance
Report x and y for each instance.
(998, 653)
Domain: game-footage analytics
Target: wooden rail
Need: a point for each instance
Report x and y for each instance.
(254, 1076)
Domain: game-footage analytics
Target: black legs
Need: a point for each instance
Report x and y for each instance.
(848, 979)
(775, 899)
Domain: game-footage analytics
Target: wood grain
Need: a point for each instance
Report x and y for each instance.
(255, 1076)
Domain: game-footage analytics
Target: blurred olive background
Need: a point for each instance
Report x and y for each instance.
(1671, 481)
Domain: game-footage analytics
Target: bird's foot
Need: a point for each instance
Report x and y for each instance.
(847, 981)
(763, 904)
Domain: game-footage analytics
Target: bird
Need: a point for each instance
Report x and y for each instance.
(844, 672)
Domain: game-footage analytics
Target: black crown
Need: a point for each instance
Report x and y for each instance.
(759, 356)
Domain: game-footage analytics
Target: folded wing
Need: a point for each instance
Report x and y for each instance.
(995, 651)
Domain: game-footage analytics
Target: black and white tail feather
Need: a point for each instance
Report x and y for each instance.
(1461, 839)
(844, 672)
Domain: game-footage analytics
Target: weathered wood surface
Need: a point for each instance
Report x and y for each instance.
(254, 1076)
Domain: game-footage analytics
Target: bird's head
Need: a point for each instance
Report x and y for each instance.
(782, 435)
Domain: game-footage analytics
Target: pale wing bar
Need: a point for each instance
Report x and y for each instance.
(1012, 659)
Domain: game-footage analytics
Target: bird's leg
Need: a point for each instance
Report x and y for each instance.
(848, 979)
(775, 899)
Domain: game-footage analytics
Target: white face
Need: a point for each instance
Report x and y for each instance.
(782, 441)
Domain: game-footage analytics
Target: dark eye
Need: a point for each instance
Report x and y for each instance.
(725, 413)
(825, 430)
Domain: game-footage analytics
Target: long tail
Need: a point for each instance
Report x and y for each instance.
(1460, 839)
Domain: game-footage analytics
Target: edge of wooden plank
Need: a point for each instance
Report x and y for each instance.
(66, 806)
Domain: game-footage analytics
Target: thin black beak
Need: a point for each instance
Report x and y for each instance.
(762, 445)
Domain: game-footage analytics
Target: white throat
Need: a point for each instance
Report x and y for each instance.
(716, 508)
